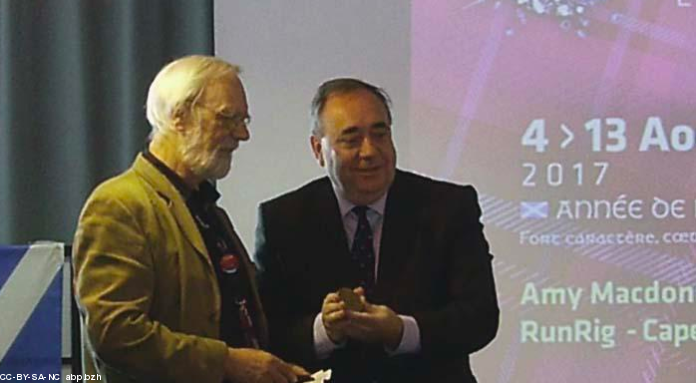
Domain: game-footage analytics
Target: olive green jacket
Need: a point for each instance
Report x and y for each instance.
(145, 285)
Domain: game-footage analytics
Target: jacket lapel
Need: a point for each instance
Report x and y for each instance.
(175, 203)
(399, 236)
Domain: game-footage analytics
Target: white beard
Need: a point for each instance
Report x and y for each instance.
(204, 163)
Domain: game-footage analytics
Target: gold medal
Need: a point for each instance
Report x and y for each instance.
(351, 299)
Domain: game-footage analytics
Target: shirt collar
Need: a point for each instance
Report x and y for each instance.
(346, 206)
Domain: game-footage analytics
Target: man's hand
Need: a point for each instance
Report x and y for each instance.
(247, 365)
(333, 315)
(376, 324)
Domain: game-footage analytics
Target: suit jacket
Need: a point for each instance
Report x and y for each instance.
(434, 265)
(145, 284)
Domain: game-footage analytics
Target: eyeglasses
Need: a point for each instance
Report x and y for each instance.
(228, 120)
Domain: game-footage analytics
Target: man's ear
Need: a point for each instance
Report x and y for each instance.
(315, 142)
(180, 119)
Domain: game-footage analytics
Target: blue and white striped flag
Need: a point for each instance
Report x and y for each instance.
(31, 284)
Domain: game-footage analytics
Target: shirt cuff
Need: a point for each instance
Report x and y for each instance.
(410, 339)
(323, 345)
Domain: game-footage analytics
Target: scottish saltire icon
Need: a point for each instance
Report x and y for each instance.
(31, 284)
(534, 209)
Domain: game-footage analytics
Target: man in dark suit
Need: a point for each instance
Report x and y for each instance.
(411, 248)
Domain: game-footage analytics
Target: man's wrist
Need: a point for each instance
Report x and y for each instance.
(410, 338)
(323, 345)
(396, 334)
(335, 338)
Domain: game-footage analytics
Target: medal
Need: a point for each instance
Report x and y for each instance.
(350, 299)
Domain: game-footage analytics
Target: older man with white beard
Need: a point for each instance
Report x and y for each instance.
(165, 287)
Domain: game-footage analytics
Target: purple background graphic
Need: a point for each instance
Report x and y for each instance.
(481, 72)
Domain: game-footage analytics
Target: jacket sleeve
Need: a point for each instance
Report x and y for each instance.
(290, 331)
(469, 320)
(114, 283)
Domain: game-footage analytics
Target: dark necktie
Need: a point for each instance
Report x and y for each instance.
(362, 250)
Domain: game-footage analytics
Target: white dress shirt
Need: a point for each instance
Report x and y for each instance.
(410, 339)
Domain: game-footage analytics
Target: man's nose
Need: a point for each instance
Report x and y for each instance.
(241, 133)
(367, 148)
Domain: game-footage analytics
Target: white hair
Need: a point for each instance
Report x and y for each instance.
(178, 84)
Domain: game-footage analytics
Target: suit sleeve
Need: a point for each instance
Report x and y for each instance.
(114, 284)
(469, 319)
(290, 331)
